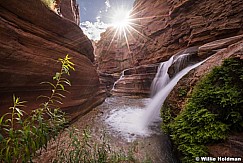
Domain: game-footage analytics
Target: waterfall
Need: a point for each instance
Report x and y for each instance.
(130, 121)
(162, 77)
(122, 75)
(163, 85)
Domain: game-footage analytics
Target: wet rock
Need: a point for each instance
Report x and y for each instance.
(106, 81)
(179, 64)
(232, 147)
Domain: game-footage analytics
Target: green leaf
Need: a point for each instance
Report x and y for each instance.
(59, 94)
(1, 137)
(19, 111)
(59, 102)
(49, 83)
(41, 96)
(67, 82)
(62, 87)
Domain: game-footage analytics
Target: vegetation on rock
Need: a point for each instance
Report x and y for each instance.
(49, 3)
(214, 109)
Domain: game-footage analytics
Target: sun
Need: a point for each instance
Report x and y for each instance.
(125, 26)
(122, 23)
(121, 19)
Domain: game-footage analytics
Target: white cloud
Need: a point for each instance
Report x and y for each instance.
(93, 30)
(98, 18)
(107, 4)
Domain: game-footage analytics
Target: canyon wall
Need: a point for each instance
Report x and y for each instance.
(32, 38)
(166, 27)
(69, 9)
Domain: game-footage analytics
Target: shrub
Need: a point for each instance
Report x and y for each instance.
(214, 109)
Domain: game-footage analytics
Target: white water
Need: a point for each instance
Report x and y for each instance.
(138, 121)
(118, 80)
(126, 122)
(162, 77)
(153, 109)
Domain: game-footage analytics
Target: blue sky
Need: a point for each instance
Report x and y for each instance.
(96, 15)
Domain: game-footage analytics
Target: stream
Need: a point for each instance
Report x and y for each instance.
(131, 123)
(119, 117)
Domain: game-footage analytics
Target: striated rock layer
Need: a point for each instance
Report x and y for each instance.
(165, 27)
(135, 81)
(32, 38)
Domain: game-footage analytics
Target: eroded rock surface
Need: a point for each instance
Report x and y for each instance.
(165, 27)
(32, 38)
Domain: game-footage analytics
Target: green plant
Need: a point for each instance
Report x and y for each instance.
(182, 92)
(221, 92)
(214, 109)
(82, 149)
(166, 118)
(22, 134)
(49, 3)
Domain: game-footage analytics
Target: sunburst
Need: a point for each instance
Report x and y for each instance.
(126, 24)
(123, 25)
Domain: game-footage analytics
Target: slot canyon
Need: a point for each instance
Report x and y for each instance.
(162, 84)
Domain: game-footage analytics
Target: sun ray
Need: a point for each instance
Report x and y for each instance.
(127, 43)
(127, 26)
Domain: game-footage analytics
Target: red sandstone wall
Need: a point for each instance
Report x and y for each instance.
(32, 38)
(169, 26)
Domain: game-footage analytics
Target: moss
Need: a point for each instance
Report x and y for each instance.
(214, 109)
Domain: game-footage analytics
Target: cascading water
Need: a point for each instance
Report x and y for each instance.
(153, 109)
(137, 121)
(122, 75)
(161, 77)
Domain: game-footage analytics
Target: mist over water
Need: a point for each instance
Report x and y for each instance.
(126, 117)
